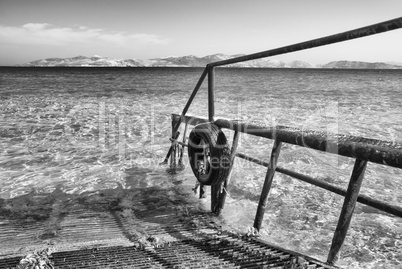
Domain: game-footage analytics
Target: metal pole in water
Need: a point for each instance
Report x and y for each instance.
(348, 207)
(211, 94)
(223, 188)
(267, 184)
(172, 168)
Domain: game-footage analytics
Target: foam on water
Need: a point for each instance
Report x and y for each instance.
(87, 130)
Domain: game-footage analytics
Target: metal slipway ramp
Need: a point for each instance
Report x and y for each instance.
(167, 242)
(105, 233)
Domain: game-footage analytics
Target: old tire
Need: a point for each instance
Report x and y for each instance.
(209, 154)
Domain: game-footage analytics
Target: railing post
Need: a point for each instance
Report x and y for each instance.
(267, 184)
(211, 94)
(215, 190)
(215, 195)
(180, 163)
(172, 150)
(348, 207)
(222, 192)
(175, 135)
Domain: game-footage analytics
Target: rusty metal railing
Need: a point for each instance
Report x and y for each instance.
(362, 149)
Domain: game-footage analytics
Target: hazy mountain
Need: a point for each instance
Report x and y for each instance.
(360, 65)
(84, 61)
(195, 61)
(171, 61)
(394, 63)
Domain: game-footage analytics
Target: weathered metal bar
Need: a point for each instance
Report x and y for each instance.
(376, 151)
(267, 184)
(349, 35)
(308, 179)
(363, 199)
(202, 191)
(183, 144)
(188, 119)
(172, 168)
(223, 192)
(190, 100)
(233, 151)
(348, 207)
(211, 94)
(176, 135)
(215, 197)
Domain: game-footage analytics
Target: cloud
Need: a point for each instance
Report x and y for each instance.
(35, 26)
(47, 34)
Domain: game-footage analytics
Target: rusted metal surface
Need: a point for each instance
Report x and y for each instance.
(215, 198)
(348, 207)
(221, 252)
(177, 243)
(183, 145)
(233, 151)
(259, 216)
(202, 191)
(173, 150)
(376, 151)
(349, 35)
(223, 192)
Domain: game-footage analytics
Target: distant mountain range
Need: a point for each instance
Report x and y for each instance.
(194, 61)
(361, 65)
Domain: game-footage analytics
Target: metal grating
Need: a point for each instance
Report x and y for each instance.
(184, 243)
(220, 252)
(96, 236)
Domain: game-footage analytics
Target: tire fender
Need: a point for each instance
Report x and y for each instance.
(209, 154)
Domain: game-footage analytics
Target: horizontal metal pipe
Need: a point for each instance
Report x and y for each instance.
(376, 151)
(189, 120)
(349, 35)
(391, 209)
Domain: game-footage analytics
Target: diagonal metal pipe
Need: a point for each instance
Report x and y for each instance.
(331, 39)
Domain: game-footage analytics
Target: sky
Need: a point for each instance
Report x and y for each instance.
(146, 29)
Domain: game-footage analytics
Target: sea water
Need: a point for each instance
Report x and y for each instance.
(83, 130)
